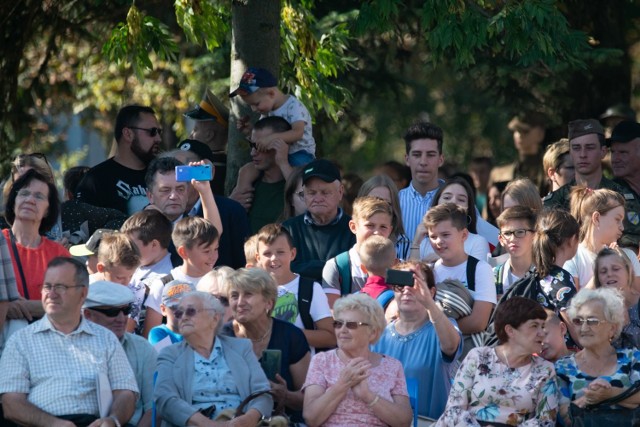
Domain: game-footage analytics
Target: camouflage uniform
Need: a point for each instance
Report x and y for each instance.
(530, 167)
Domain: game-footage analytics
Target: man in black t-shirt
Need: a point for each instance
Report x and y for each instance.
(119, 182)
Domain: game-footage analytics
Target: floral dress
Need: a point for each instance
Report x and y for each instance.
(486, 390)
(572, 382)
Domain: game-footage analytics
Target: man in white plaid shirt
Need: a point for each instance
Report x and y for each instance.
(49, 370)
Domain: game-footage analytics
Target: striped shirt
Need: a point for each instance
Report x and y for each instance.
(414, 206)
(58, 372)
(8, 286)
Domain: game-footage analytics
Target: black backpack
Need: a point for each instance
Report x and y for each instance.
(305, 295)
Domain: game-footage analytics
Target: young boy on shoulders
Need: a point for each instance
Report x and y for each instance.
(517, 228)
(446, 225)
(343, 274)
(377, 254)
(275, 252)
(196, 241)
(118, 259)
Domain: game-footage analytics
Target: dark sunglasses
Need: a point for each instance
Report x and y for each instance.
(338, 324)
(113, 312)
(152, 131)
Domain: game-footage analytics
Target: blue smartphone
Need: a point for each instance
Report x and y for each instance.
(199, 173)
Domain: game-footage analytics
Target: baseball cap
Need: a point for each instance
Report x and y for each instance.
(579, 128)
(625, 131)
(91, 247)
(252, 80)
(173, 291)
(323, 169)
(108, 294)
(201, 149)
(210, 109)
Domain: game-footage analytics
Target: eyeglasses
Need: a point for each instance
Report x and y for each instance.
(338, 324)
(59, 289)
(398, 288)
(115, 311)
(519, 233)
(24, 194)
(152, 131)
(590, 321)
(223, 300)
(189, 312)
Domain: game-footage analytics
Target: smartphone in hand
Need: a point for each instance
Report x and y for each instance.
(198, 172)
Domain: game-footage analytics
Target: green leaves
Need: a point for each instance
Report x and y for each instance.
(202, 22)
(131, 42)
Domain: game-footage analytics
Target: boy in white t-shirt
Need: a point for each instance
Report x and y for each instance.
(196, 241)
(275, 252)
(446, 225)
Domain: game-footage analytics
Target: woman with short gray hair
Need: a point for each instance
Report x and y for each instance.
(352, 385)
(598, 371)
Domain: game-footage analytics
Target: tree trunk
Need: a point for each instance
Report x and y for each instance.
(255, 42)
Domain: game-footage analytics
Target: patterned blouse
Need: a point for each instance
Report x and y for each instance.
(487, 390)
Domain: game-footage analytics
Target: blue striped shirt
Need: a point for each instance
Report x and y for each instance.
(414, 206)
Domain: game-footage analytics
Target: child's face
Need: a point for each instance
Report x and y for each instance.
(377, 224)
(276, 258)
(167, 311)
(609, 227)
(553, 346)
(516, 246)
(612, 272)
(261, 101)
(455, 193)
(201, 258)
(446, 240)
(119, 274)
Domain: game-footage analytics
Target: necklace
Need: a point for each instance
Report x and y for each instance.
(267, 332)
(506, 359)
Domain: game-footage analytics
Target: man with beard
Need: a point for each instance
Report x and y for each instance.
(119, 182)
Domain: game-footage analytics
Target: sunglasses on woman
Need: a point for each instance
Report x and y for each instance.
(338, 324)
(590, 321)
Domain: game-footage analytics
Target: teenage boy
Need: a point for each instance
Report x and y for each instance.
(377, 254)
(164, 335)
(517, 227)
(196, 241)
(343, 274)
(300, 301)
(446, 225)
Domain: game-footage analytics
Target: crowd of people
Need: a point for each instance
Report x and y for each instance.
(507, 296)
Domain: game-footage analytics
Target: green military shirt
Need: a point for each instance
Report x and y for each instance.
(631, 235)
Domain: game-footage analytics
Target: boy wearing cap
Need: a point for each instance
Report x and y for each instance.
(163, 335)
(90, 249)
(258, 88)
(108, 305)
(322, 232)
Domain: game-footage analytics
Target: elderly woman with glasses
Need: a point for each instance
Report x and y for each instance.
(426, 342)
(598, 371)
(207, 372)
(352, 385)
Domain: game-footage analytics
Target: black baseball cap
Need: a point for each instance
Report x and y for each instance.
(323, 169)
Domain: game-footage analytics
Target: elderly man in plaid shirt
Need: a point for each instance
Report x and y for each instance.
(50, 370)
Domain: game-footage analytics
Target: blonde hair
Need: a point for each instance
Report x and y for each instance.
(367, 206)
(615, 252)
(554, 155)
(117, 249)
(585, 202)
(364, 304)
(377, 253)
(525, 193)
(255, 280)
(251, 249)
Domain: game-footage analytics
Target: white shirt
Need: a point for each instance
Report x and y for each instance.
(581, 265)
(485, 285)
(475, 245)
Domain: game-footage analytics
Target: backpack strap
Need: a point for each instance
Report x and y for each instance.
(472, 263)
(499, 275)
(385, 298)
(305, 295)
(343, 262)
(166, 279)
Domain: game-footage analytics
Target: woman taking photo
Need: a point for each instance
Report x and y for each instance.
(252, 294)
(598, 371)
(423, 339)
(352, 386)
(31, 210)
(507, 384)
(207, 373)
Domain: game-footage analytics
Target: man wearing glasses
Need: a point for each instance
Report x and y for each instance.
(108, 304)
(119, 182)
(50, 370)
(263, 195)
